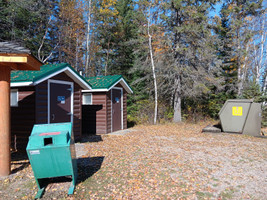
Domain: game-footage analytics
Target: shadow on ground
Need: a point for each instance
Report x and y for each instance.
(19, 161)
(87, 167)
(57, 186)
(91, 138)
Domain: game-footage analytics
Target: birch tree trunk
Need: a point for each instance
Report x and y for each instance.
(264, 89)
(265, 84)
(263, 40)
(153, 67)
(177, 117)
(77, 53)
(107, 57)
(42, 58)
(43, 40)
(244, 69)
(239, 84)
(88, 38)
(259, 60)
(240, 70)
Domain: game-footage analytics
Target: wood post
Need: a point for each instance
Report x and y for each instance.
(5, 134)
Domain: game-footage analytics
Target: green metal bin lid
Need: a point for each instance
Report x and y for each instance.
(46, 139)
(50, 135)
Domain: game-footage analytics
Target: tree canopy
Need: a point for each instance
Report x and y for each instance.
(174, 53)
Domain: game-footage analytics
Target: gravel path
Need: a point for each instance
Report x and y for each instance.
(172, 161)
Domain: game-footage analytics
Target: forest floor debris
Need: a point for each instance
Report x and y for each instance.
(168, 161)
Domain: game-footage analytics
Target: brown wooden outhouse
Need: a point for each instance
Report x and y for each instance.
(51, 95)
(105, 105)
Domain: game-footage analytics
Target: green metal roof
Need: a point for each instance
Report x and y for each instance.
(45, 70)
(98, 82)
(107, 82)
(20, 77)
(103, 82)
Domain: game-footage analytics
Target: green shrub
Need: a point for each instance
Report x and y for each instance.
(141, 112)
(253, 91)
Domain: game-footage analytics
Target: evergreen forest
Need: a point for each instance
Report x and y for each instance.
(182, 58)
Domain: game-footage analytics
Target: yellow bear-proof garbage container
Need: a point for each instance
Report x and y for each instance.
(241, 116)
(51, 152)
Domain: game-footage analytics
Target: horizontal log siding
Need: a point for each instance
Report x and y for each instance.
(103, 122)
(77, 112)
(101, 115)
(124, 109)
(109, 117)
(33, 107)
(23, 117)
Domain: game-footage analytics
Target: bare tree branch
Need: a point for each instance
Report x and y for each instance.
(43, 39)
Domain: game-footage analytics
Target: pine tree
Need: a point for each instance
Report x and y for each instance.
(125, 32)
(239, 13)
(29, 23)
(193, 53)
(229, 63)
(106, 19)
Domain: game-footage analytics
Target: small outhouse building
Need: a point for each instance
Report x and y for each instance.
(104, 107)
(51, 95)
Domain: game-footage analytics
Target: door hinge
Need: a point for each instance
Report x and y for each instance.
(69, 113)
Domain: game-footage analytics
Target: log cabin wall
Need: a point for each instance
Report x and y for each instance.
(97, 118)
(109, 113)
(23, 117)
(32, 109)
(100, 98)
(124, 109)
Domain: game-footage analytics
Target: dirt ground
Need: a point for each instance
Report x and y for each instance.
(171, 161)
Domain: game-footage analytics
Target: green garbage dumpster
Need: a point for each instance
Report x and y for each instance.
(51, 152)
(241, 116)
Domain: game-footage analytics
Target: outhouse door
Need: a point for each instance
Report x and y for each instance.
(60, 101)
(117, 109)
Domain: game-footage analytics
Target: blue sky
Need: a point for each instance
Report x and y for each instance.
(216, 10)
